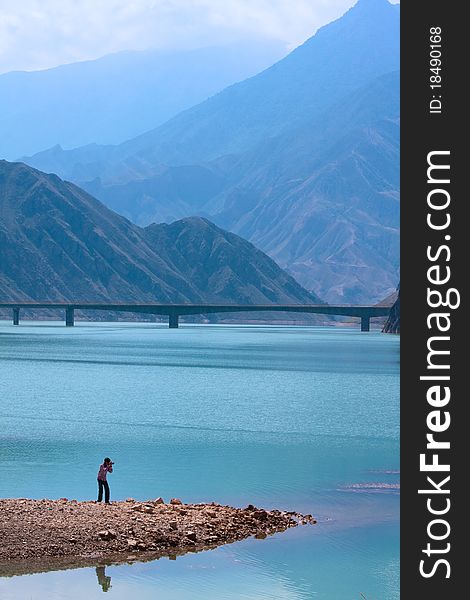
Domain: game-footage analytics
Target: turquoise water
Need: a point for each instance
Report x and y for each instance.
(297, 418)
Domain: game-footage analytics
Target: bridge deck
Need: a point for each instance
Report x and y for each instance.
(174, 311)
(196, 309)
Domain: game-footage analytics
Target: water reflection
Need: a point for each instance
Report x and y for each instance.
(103, 580)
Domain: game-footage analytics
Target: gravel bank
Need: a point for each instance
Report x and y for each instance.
(39, 532)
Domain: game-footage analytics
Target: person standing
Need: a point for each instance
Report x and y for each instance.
(105, 468)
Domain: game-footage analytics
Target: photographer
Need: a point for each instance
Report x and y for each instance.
(105, 468)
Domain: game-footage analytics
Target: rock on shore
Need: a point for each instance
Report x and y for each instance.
(32, 530)
(392, 324)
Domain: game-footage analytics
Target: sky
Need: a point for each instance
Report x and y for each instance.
(39, 34)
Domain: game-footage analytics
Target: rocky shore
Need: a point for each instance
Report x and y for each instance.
(35, 532)
(392, 324)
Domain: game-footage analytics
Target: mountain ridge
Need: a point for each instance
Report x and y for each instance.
(308, 68)
(116, 97)
(58, 243)
(337, 178)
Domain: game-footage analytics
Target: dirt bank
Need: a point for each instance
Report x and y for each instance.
(35, 532)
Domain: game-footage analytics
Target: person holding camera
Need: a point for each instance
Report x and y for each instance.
(105, 468)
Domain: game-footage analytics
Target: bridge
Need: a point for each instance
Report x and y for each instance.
(175, 311)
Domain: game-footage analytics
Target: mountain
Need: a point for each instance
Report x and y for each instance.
(58, 243)
(322, 200)
(302, 160)
(223, 266)
(117, 97)
(340, 58)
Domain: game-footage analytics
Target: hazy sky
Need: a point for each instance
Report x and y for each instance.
(37, 34)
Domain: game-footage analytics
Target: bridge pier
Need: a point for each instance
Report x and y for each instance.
(174, 311)
(173, 321)
(69, 317)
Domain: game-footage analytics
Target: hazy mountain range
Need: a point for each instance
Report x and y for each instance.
(322, 200)
(301, 159)
(339, 59)
(119, 96)
(59, 243)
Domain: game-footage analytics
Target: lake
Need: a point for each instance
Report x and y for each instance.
(294, 418)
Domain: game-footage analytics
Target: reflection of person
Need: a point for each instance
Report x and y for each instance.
(105, 468)
(103, 579)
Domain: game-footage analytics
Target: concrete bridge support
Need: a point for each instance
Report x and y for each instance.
(16, 316)
(365, 323)
(174, 321)
(69, 317)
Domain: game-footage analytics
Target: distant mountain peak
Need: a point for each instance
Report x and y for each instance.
(369, 10)
(371, 4)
